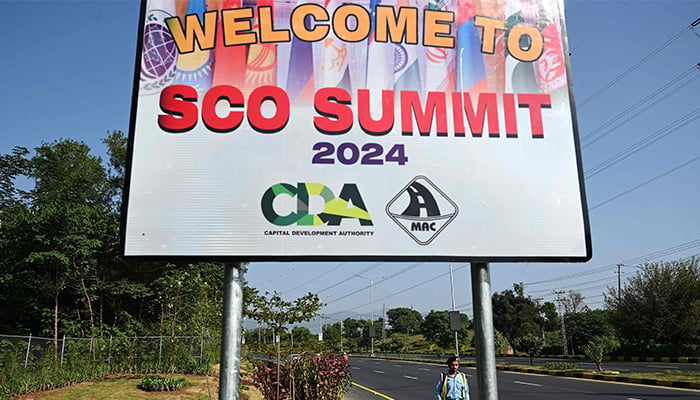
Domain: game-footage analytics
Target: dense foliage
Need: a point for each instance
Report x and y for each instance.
(61, 272)
(310, 377)
(659, 305)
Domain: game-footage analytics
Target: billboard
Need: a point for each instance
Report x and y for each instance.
(326, 130)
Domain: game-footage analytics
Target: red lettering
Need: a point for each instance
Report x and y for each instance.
(333, 104)
(177, 102)
(385, 123)
(435, 103)
(535, 102)
(487, 106)
(278, 121)
(233, 119)
(510, 116)
(457, 114)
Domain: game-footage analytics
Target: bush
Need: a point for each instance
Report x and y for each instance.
(560, 365)
(598, 347)
(157, 383)
(311, 377)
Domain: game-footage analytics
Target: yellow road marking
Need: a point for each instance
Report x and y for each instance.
(373, 391)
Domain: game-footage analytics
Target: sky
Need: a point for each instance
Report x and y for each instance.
(68, 69)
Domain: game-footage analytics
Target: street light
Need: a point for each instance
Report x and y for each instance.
(371, 319)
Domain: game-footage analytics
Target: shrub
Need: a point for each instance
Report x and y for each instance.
(559, 365)
(157, 383)
(598, 347)
(311, 377)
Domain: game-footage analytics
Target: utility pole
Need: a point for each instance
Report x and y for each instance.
(619, 284)
(454, 308)
(371, 319)
(560, 301)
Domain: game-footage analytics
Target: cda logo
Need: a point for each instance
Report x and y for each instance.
(279, 208)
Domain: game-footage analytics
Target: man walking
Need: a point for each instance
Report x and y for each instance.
(452, 385)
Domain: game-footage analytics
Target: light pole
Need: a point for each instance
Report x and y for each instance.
(371, 318)
(454, 308)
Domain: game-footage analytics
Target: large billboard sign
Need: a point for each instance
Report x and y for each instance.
(327, 129)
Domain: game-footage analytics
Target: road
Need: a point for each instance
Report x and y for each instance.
(404, 380)
(622, 366)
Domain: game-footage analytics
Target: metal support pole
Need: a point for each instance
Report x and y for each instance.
(454, 308)
(63, 348)
(29, 346)
(232, 326)
(483, 320)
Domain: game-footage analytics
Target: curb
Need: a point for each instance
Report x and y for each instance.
(569, 374)
(691, 360)
(599, 377)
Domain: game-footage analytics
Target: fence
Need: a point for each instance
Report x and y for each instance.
(155, 351)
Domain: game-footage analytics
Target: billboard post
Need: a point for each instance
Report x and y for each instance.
(232, 328)
(483, 321)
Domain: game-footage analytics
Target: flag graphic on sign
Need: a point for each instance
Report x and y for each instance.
(380, 60)
(519, 76)
(471, 74)
(261, 69)
(439, 74)
(195, 68)
(550, 68)
(229, 61)
(331, 66)
(406, 66)
(300, 76)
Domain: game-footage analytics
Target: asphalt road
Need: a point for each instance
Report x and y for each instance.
(622, 366)
(403, 380)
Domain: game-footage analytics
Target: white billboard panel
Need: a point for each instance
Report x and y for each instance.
(367, 130)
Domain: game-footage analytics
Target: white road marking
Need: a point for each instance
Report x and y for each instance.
(410, 377)
(379, 372)
(398, 366)
(355, 367)
(632, 398)
(425, 369)
(526, 383)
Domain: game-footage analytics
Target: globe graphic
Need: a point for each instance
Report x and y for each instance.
(159, 52)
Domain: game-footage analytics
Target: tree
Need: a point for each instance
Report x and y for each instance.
(551, 317)
(660, 304)
(272, 310)
(582, 326)
(598, 347)
(530, 344)
(399, 342)
(516, 315)
(404, 320)
(436, 329)
(573, 302)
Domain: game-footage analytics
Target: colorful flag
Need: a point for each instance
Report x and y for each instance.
(195, 68)
(300, 75)
(261, 69)
(229, 61)
(406, 66)
(519, 76)
(331, 66)
(439, 74)
(159, 54)
(494, 64)
(380, 61)
(357, 55)
(550, 68)
(471, 74)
